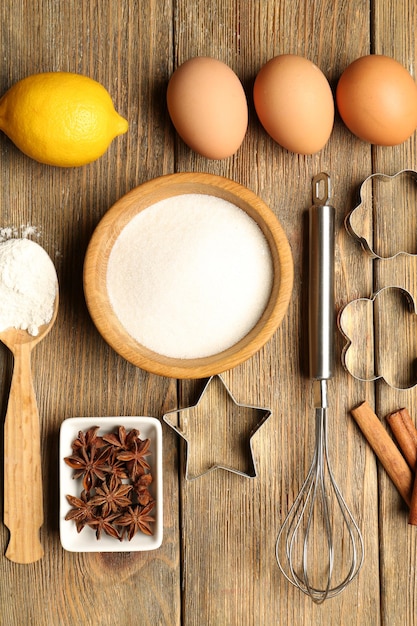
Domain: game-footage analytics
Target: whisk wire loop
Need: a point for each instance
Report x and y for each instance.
(312, 500)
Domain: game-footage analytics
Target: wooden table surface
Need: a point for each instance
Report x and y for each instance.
(216, 565)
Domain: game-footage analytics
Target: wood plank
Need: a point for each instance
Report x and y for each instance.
(231, 524)
(394, 27)
(217, 563)
(126, 48)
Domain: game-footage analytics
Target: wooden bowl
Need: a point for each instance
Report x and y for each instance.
(118, 216)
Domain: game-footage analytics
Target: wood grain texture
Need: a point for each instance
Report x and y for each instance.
(393, 25)
(75, 371)
(217, 562)
(283, 447)
(23, 488)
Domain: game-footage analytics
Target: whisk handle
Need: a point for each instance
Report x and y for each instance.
(321, 280)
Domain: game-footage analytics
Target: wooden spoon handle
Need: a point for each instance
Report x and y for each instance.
(23, 506)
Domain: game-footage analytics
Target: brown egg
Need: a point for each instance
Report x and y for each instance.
(377, 100)
(208, 107)
(294, 103)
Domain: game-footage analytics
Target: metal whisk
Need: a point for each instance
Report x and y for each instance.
(305, 550)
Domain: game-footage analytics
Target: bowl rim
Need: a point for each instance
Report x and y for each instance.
(140, 198)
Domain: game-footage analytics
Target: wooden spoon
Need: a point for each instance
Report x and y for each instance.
(23, 500)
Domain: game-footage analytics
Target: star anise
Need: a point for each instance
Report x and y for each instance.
(104, 523)
(141, 489)
(82, 511)
(116, 473)
(137, 518)
(136, 463)
(90, 464)
(112, 499)
(123, 440)
(87, 439)
(104, 463)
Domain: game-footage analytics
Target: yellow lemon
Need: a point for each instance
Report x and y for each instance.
(60, 118)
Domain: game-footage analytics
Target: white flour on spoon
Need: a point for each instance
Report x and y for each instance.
(28, 285)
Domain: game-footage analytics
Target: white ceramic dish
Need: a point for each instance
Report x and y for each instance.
(86, 541)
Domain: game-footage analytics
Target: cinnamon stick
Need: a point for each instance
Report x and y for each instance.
(385, 449)
(406, 435)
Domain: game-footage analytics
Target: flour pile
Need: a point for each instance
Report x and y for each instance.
(28, 286)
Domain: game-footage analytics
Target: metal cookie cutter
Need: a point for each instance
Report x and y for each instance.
(384, 200)
(227, 435)
(385, 203)
(370, 355)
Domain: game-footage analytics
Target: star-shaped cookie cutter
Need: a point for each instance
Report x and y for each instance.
(253, 416)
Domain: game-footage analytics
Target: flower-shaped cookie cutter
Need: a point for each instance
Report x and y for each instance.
(386, 201)
(233, 430)
(385, 224)
(377, 349)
